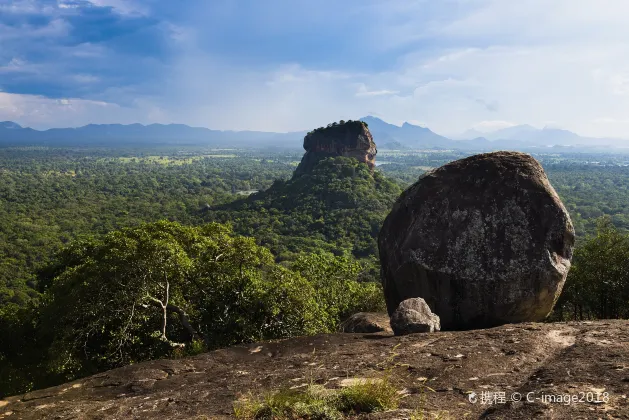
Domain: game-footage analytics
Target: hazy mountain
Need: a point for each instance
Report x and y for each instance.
(386, 136)
(138, 134)
(407, 136)
(9, 125)
(468, 134)
(516, 132)
(525, 136)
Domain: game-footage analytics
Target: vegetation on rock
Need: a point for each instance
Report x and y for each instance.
(340, 126)
(318, 402)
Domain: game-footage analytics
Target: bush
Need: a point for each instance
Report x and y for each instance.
(337, 290)
(277, 303)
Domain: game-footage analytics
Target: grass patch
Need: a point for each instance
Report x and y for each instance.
(317, 402)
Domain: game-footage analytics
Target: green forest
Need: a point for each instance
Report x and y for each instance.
(113, 256)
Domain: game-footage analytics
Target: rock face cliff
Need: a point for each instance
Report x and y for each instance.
(349, 139)
(483, 240)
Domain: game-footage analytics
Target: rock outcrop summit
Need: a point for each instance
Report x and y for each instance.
(347, 138)
(483, 240)
(439, 375)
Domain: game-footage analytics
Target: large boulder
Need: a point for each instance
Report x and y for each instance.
(366, 322)
(414, 316)
(484, 240)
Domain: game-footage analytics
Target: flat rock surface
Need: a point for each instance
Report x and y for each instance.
(436, 371)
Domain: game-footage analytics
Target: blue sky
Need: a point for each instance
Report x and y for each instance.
(282, 65)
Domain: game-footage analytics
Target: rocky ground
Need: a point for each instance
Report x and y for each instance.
(447, 375)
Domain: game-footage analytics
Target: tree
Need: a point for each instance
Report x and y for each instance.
(337, 289)
(598, 282)
(146, 292)
(110, 303)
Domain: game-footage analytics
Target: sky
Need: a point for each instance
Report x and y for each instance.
(289, 65)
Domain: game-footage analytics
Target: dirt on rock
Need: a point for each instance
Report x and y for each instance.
(518, 371)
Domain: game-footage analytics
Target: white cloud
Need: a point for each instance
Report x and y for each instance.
(25, 6)
(610, 120)
(41, 112)
(499, 85)
(364, 91)
(127, 7)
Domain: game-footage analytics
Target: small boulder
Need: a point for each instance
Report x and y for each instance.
(366, 322)
(414, 316)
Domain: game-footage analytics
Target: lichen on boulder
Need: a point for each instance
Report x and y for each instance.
(484, 241)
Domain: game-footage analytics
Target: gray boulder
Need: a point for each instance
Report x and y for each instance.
(366, 322)
(484, 240)
(414, 316)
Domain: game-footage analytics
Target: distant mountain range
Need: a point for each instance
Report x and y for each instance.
(408, 136)
(522, 136)
(387, 136)
(144, 135)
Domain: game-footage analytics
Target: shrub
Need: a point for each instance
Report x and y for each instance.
(337, 290)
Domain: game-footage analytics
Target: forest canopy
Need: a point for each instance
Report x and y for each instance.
(163, 289)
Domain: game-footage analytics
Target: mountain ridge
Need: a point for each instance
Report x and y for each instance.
(12, 134)
(389, 136)
(525, 135)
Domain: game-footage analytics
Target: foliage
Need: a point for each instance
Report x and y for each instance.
(591, 192)
(336, 290)
(20, 355)
(162, 288)
(137, 293)
(598, 282)
(338, 207)
(335, 127)
(50, 196)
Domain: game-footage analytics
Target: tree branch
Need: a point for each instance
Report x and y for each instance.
(183, 316)
(183, 319)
